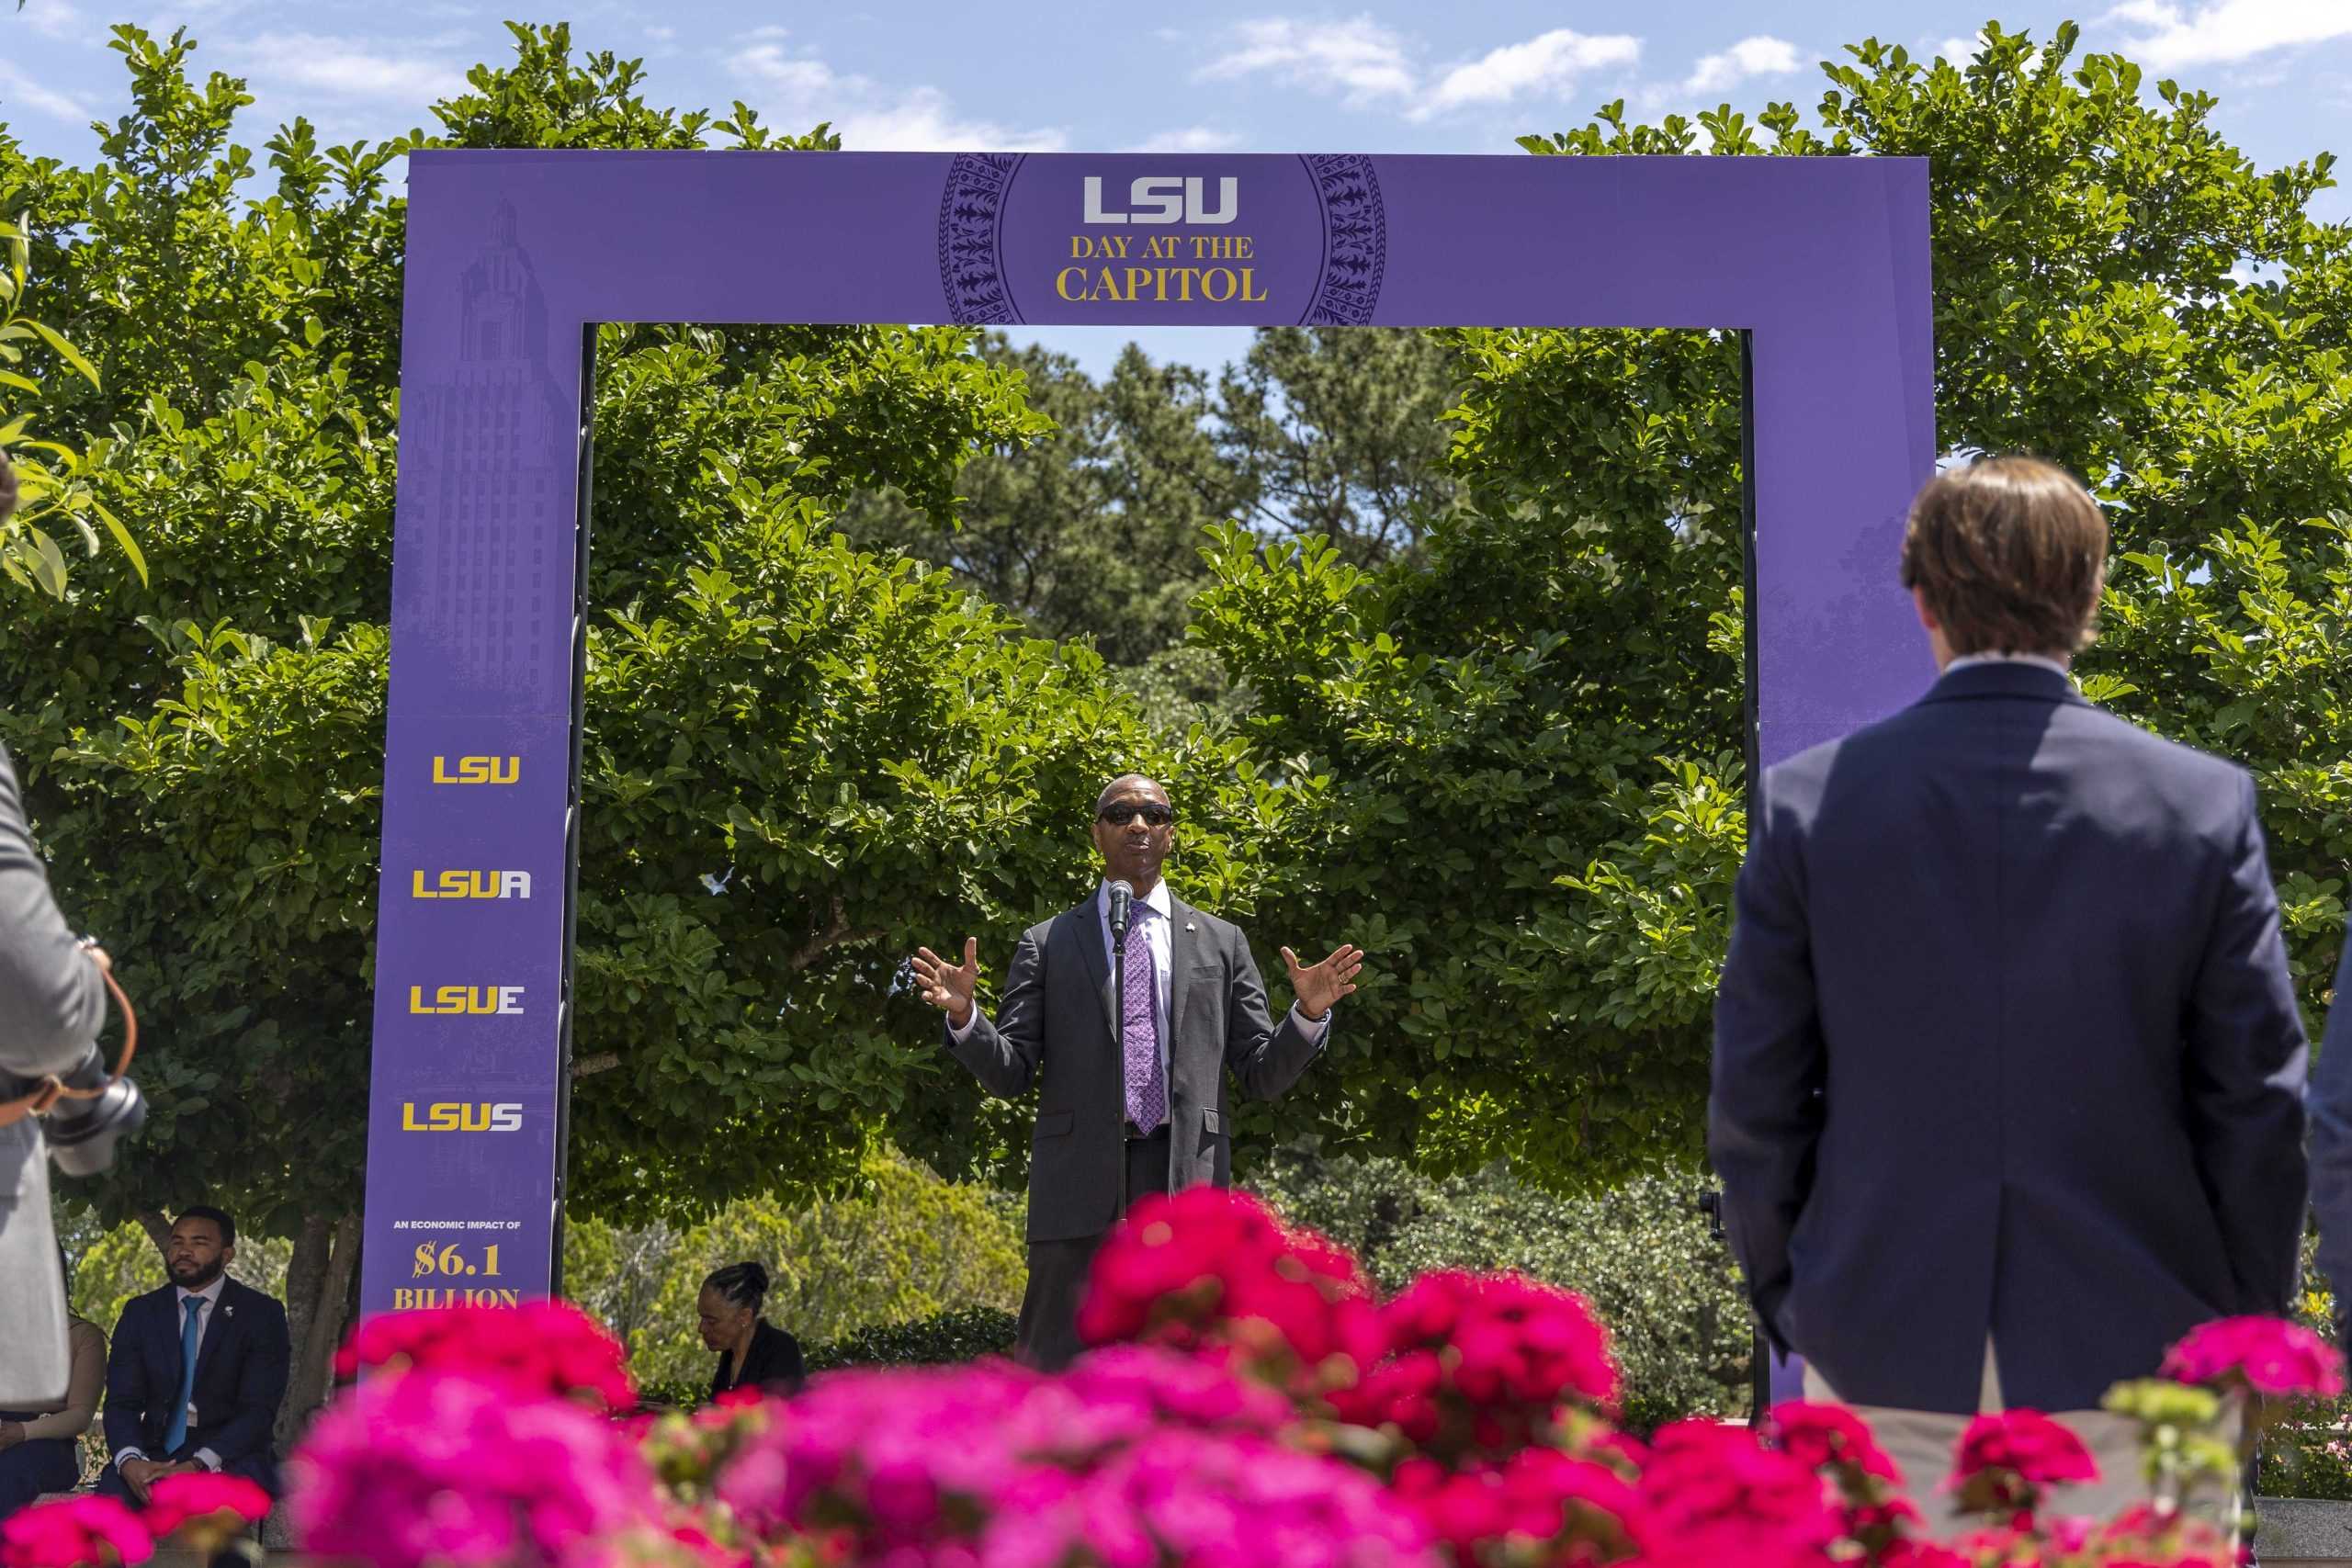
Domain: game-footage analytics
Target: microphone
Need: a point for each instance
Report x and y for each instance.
(1123, 898)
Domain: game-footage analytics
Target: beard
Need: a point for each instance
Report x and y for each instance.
(195, 1276)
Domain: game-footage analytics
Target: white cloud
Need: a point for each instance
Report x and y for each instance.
(60, 20)
(1546, 64)
(1359, 58)
(870, 116)
(1191, 138)
(1364, 62)
(1961, 50)
(660, 34)
(17, 87)
(348, 68)
(1758, 56)
(2171, 35)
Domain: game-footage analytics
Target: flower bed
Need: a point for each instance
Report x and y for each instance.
(1250, 1403)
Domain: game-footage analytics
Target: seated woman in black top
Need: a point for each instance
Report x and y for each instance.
(751, 1353)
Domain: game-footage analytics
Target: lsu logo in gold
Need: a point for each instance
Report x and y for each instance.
(454, 1117)
(477, 770)
(471, 1000)
(472, 885)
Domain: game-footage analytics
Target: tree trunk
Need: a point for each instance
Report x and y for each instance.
(304, 1269)
(319, 1277)
(158, 1229)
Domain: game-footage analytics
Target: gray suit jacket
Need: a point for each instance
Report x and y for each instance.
(1053, 1029)
(51, 1002)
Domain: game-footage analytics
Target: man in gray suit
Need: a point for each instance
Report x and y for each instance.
(1132, 1087)
(52, 1003)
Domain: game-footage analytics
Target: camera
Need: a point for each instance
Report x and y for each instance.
(82, 1132)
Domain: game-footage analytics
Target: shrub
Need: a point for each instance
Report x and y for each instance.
(1641, 1254)
(966, 1333)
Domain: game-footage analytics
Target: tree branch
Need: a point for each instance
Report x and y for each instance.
(837, 932)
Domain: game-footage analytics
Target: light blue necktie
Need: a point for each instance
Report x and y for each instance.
(191, 1335)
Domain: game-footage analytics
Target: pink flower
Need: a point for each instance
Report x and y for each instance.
(1210, 1270)
(74, 1532)
(2026, 1444)
(2003, 1461)
(212, 1509)
(1138, 1458)
(2266, 1354)
(1538, 1495)
(1480, 1363)
(1713, 1493)
(456, 1469)
(539, 1348)
(1922, 1554)
(1827, 1436)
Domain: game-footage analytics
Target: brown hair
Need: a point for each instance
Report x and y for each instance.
(2009, 554)
(8, 487)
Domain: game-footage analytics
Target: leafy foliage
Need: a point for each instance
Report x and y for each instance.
(967, 1333)
(47, 488)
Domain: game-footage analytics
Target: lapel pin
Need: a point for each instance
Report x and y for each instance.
(1191, 927)
(228, 1312)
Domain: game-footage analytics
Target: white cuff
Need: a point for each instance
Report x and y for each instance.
(121, 1454)
(209, 1459)
(1312, 1028)
(964, 1033)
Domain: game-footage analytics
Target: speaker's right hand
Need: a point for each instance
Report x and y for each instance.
(949, 987)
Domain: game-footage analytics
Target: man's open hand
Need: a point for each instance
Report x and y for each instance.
(949, 986)
(1319, 987)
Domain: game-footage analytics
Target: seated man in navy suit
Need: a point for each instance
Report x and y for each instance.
(197, 1368)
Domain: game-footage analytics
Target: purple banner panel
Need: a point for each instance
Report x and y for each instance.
(510, 254)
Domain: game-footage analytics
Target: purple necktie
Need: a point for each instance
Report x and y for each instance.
(1139, 1031)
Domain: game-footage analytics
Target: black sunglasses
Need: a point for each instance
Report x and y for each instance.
(1119, 816)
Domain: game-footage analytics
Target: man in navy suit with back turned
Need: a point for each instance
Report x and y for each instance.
(196, 1370)
(2008, 1072)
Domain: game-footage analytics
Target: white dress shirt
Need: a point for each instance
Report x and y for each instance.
(2055, 666)
(210, 1297)
(1154, 928)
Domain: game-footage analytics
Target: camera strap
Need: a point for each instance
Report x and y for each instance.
(49, 1091)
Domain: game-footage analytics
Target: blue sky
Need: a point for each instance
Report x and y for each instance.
(1244, 77)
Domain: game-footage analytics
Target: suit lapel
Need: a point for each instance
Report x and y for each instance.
(215, 1331)
(1084, 927)
(1181, 937)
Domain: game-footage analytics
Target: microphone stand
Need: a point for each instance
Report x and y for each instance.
(1119, 1044)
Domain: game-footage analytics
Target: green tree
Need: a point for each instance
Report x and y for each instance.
(1535, 734)
(1094, 531)
(1341, 431)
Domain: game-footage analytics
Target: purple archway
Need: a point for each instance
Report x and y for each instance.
(1823, 263)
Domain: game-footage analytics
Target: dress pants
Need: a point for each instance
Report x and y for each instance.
(1921, 1443)
(35, 1466)
(1058, 1269)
